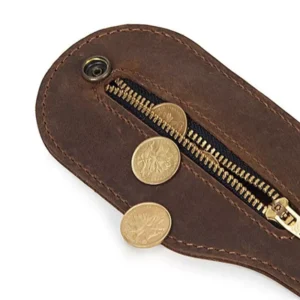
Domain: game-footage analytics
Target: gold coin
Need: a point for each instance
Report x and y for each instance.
(156, 160)
(173, 114)
(146, 225)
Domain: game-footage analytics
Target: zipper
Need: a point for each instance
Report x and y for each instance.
(210, 154)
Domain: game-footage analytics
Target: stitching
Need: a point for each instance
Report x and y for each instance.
(197, 175)
(192, 106)
(81, 166)
(235, 254)
(236, 82)
(113, 111)
(128, 205)
(94, 176)
(238, 207)
(152, 31)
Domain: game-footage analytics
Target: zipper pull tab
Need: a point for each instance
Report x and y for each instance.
(282, 213)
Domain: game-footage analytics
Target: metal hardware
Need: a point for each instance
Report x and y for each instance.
(282, 213)
(279, 209)
(96, 68)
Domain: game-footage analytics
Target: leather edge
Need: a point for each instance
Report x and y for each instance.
(107, 192)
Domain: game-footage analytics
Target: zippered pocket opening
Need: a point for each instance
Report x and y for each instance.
(210, 154)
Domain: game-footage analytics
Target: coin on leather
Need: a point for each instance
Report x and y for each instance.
(156, 160)
(173, 115)
(146, 225)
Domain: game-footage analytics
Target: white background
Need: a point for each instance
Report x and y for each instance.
(59, 239)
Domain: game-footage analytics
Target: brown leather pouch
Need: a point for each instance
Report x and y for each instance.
(238, 215)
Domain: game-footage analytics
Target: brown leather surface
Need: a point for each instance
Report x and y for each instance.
(94, 138)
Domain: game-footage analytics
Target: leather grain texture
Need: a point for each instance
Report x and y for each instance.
(94, 137)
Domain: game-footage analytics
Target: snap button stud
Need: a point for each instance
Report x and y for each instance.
(96, 68)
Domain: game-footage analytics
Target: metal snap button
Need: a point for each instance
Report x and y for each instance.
(96, 68)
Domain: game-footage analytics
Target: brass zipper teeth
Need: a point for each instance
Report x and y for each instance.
(229, 165)
(208, 158)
